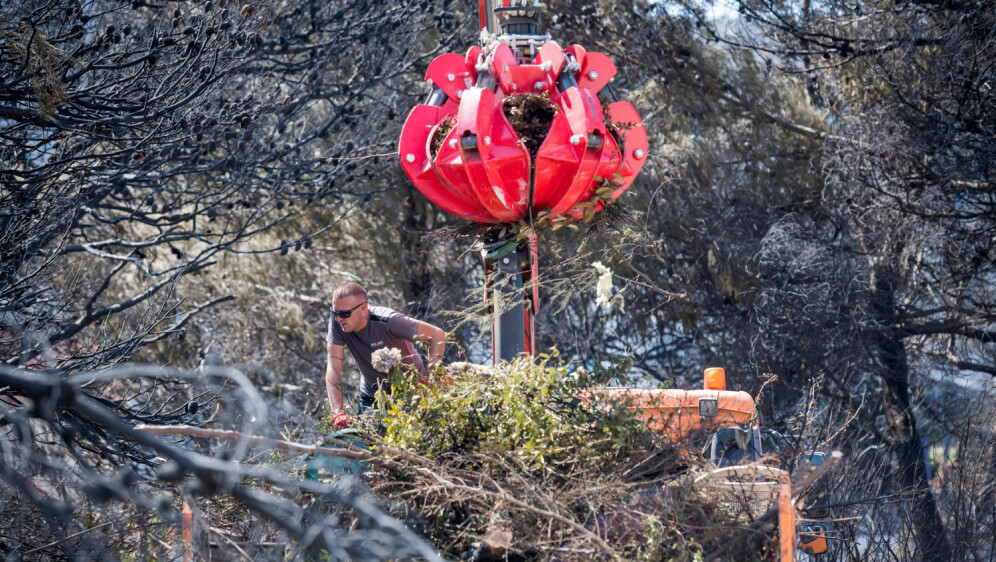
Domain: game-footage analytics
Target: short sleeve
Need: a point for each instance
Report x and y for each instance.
(334, 335)
(403, 327)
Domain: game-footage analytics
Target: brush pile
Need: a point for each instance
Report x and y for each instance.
(508, 464)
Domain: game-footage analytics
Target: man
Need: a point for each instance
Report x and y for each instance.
(362, 328)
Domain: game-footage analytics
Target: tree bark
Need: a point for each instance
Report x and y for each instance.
(931, 537)
(415, 253)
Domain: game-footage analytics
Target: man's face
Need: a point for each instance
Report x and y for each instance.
(358, 318)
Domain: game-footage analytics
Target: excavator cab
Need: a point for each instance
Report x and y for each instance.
(734, 446)
(728, 422)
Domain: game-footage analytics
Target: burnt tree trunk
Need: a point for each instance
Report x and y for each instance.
(415, 253)
(932, 541)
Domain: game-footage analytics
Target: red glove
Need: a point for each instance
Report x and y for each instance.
(341, 420)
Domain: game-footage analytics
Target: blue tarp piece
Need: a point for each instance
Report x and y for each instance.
(336, 465)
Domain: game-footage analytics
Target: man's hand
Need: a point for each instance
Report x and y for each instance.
(341, 420)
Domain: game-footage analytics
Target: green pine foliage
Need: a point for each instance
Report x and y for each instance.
(533, 412)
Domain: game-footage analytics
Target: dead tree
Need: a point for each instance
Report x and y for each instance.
(140, 142)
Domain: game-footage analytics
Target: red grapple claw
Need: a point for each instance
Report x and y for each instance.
(482, 170)
(566, 163)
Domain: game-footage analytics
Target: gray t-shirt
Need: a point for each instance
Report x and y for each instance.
(386, 328)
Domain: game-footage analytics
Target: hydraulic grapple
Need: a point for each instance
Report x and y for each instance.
(464, 154)
(461, 151)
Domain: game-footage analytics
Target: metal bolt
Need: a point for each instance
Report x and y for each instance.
(639, 153)
(487, 140)
(539, 86)
(451, 77)
(459, 94)
(452, 143)
(514, 86)
(505, 68)
(505, 260)
(410, 158)
(593, 75)
(575, 139)
(545, 67)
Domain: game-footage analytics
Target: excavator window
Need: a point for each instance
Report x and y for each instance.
(732, 446)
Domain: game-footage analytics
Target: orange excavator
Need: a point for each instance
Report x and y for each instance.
(725, 423)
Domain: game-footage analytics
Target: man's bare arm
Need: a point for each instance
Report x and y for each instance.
(333, 377)
(436, 338)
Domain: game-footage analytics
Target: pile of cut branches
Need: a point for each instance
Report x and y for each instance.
(508, 463)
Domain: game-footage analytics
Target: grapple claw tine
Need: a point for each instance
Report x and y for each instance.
(634, 144)
(583, 114)
(416, 161)
(475, 122)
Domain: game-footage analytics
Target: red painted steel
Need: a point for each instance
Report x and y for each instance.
(529, 267)
(422, 122)
(482, 170)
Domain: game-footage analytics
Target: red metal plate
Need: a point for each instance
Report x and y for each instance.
(550, 59)
(557, 163)
(449, 72)
(579, 53)
(596, 71)
(470, 61)
(507, 162)
(608, 165)
(516, 79)
(464, 169)
(449, 166)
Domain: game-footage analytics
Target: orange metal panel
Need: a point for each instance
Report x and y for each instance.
(786, 523)
(675, 413)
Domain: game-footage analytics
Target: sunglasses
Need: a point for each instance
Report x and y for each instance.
(347, 313)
